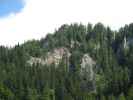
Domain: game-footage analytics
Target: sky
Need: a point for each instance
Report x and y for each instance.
(22, 20)
(9, 6)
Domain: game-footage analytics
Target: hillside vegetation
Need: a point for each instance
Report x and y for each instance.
(76, 62)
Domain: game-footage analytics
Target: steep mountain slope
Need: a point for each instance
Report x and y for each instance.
(76, 62)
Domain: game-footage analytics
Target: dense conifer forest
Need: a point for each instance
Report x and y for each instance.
(91, 62)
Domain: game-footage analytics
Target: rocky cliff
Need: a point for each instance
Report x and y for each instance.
(52, 57)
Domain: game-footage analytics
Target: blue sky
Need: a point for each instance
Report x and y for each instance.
(10, 6)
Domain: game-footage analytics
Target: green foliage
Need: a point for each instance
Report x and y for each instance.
(130, 93)
(111, 97)
(122, 97)
(113, 74)
(5, 93)
(46, 93)
(32, 94)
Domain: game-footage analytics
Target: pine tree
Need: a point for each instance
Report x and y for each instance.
(130, 93)
(32, 94)
(111, 97)
(102, 97)
(46, 93)
(122, 97)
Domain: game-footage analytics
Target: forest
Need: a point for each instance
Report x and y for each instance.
(75, 62)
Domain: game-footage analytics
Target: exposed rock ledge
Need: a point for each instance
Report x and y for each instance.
(54, 56)
(88, 74)
(87, 67)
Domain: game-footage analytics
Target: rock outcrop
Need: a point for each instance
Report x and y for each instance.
(87, 67)
(87, 73)
(36, 60)
(56, 56)
(53, 57)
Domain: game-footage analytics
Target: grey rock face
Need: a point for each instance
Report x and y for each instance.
(87, 73)
(56, 56)
(87, 67)
(53, 57)
(35, 60)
